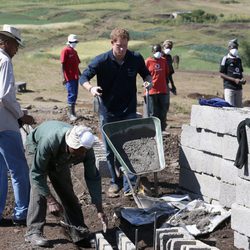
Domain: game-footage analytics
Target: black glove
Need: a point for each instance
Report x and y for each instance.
(173, 90)
(20, 122)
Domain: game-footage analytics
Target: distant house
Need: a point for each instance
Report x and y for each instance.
(177, 13)
(173, 15)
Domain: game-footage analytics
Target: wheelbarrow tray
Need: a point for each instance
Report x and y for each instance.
(147, 156)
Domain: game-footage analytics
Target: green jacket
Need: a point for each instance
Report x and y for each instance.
(47, 143)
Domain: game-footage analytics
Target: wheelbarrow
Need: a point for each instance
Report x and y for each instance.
(137, 144)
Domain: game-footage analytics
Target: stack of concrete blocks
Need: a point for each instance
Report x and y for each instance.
(208, 151)
(177, 238)
(240, 218)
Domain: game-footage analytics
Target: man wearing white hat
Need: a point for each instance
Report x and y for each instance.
(12, 156)
(56, 146)
(70, 72)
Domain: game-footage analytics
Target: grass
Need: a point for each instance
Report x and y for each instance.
(87, 50)
(45, 26)
(57, 17)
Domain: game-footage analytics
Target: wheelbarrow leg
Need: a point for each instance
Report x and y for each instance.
(137, 201)
(148, 115)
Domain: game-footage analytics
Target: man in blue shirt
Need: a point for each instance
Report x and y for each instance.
(116, 90)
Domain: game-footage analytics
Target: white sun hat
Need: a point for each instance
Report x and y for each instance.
(72, 38)
(12, 32)
(80, 136)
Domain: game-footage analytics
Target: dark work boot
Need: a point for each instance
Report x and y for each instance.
(71, 112)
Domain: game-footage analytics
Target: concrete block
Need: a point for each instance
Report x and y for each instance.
(205, 117)
(201, 139)
(200, 183)
(243, 192)
(123, 242)
(190, 136)
(211, 142)
(176, 244)
(201, 248)
(200, 162)
(164, 234)
(229, 152)
(102, 243)
(241, 241)
(227, 194)
(127, 245)
(198, 245)
(240, 219)
(228, 172)
(165, 237)
(163, 230)
(216, 119)
(190, 158)
(21, 86)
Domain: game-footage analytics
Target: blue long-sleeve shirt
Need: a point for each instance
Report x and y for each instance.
(118, 81)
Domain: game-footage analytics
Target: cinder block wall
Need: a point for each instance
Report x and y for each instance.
(207, 154)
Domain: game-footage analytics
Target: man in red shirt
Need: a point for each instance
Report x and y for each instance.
(70, 71)
(158, 101)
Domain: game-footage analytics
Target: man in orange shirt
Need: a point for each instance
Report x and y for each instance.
(158, 101)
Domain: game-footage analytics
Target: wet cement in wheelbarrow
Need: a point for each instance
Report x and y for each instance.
(141, 155)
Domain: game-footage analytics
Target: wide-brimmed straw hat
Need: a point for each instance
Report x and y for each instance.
(12, 32)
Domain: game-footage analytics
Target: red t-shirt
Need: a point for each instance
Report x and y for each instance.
(159, 71)
(70, 61)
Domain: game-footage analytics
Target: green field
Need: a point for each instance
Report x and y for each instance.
(45, 26)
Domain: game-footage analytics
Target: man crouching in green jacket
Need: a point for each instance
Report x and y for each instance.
(56, 146)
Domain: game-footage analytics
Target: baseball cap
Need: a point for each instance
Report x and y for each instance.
(80, 136)
(72, 38)
(233, 43)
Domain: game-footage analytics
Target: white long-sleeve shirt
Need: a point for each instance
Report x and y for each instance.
(10, 109)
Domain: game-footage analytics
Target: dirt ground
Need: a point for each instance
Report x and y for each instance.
(13, 237)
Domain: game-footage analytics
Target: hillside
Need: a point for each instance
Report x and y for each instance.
(200, 43)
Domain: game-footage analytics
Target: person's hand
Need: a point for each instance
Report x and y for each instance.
(239, 81)
(147, 85)
(242, 81)
(53, 206)
(104, 221)
(27, 119)
(173, 90)
(96, 91)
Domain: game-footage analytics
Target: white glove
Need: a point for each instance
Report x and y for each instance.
(96, 91)
(147, 85)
